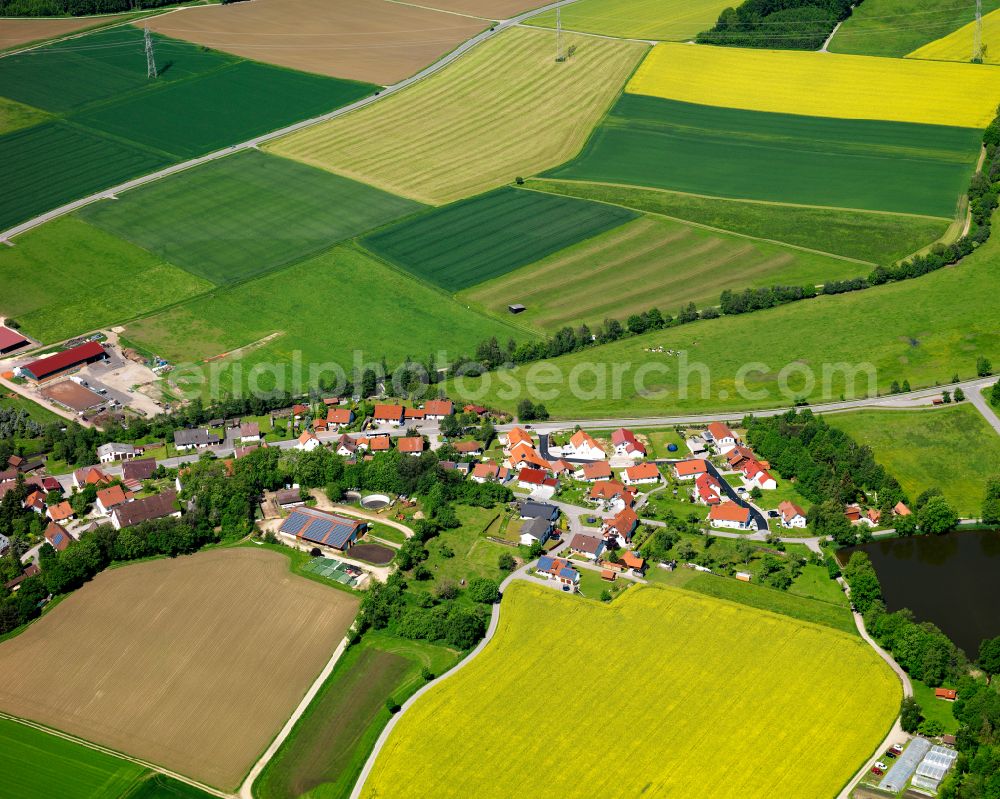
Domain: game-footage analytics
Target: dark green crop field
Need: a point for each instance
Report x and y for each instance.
(47, 165)
(244, 215)
(117, 124)
(724, 152)
(473, 240)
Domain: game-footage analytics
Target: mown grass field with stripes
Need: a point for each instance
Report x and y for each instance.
(505, 109)
(771, 678)
(650, 262)
(701, 149)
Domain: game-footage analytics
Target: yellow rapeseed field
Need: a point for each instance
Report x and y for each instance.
(821, 84)
(503, 110)
(957, 45)
(664, 693)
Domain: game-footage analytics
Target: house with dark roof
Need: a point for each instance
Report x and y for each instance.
(590, 546)
(312, 526)
(537, 510)
(159, 506)
(195, 438)
(134, 472)
(113, 451)
(534, 531)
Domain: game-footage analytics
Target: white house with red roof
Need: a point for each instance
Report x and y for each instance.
(731, 516)
(438, 409)
(756, 475)
(338, 417)
(526, 455)
(792, 515)
(621, 526)
(641, 474)
(594, 471)
(581, 445)
(626, 444)
(307, 442)
(485, 472)
(389, 414)
(707, 490)
(530, 479)
(517, 435)
(690, 469)
(724, 438)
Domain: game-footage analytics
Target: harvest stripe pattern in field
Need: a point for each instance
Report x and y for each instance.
(504, 110)
(821, 84)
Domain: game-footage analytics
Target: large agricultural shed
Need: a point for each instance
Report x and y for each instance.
(55, 365)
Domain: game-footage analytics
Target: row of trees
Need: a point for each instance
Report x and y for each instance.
(74, 8)
(778, 24)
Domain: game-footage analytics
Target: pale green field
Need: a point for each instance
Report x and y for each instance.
(748, 721)
(660, 20)
(505, 109)
(15, 115)
(651, 262)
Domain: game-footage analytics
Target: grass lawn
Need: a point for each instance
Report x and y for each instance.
(951, 448)
(237, 217)
(661, 20)
(894, 28)
(924, 333)
(68, 277)
(649, 262)
(788, 158)
(15, 115)
(651, 630)
(786, 490)
(512, 229)
(657, 441)
(592, 585)
(933, 708)
(815, 583)
(387, 533)
(328, 747)
(440, 140)
(878, 238)
(38, 765)
(361, 305)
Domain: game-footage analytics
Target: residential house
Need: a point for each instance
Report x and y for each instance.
(873, 516)
(379, 444)
(738, 455)
(525, 455)
(561, 468)
(249, 432)
(529, 509)
(485, 472)
(949, 694)
(111, 452)
(35, 501)
(346, 446)
(436, 410)
(731, 516)
(89, 475)
(792, 515)
(389, 414)
(530, 479)
(195, 438)
(690, 469)
(411, 445)
(158, 506)
(535, 531)
(312, 526)
(134, 472)
(299, 410)
(755, 474)
(635, 564)
(582, 446)
(111, 497)
(464, 469)
(57, 536)
(559, 570)
(517, 435)
(413, 415)
(610, 491)
(853, 513)
(707, 490)
(468, 448)
(242, 452)
(60, 512)
(307, 442)
(901, 510)
(339, 417)
(288, 497)
(479, 410)
(590, 546)
(621, 526)
(723, 438)
(641, 474)
(626, 444)
(592, 472)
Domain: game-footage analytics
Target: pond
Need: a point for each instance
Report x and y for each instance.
(952, 580)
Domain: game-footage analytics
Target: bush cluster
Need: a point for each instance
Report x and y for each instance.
(778, 24)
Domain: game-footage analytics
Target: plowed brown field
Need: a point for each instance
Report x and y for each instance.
(193, 663)
(21, 31)
(368, 40)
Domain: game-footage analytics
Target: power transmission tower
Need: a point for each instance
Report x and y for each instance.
(559, 52)
(977, 45)
(150, 58)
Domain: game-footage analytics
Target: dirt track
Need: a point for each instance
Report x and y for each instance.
(193, 663)
(367, 40)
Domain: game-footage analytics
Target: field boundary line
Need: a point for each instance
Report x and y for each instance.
(443, 11)
(246, 789)
(253, 143)
(743, 199)
(703, 226)
(120, 755)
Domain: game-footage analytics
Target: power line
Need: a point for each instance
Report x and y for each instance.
(977, 42)
(150, 58)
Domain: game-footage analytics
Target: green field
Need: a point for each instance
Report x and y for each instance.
(844, 163)
(814, 583)
(781, 673)
(382, 312)
(878, 238)
(933, 708)
(117, 124)
(894, 28)
(38, 765)
(952, 448)
(67, 277)
(240, 216)
(921, 330)
(661, 20)
(329, 745)
(470, 241)
(649, 262)
(17, 115)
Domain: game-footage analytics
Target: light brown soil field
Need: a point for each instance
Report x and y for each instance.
(489, 9)
(367, 40)
(21, 31)
(193, 663)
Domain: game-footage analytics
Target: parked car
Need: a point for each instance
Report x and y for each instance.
(881, 765)
(890, 753)
(898, 748)
(877, 771)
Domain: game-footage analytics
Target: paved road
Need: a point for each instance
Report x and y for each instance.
(984, 408)
(255, 142)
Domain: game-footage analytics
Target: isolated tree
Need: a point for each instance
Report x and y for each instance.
(959, 395)
(745, 550)
(484, 590)
(894, 387)
(906, 386)
(506, 562)
(937, 516)
(946, 397)
(984, 367)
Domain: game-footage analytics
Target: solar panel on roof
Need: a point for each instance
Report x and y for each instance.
(294, 523)
(318, 529)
